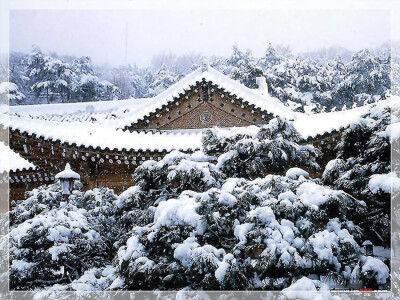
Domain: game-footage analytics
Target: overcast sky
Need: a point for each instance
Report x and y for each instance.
(102, 34)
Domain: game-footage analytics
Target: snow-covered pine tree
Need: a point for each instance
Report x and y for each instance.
(77, 80)
(157, 181)
(259, 234)
(53, 241)
(363, 164)
(272, 148)
(37, 72)
(130, 80)
(242, 66)
(270, 58)
(89, 86)
(364, 74)
(236, 233)
(62, 79)
(48, 75)
(162, 80)
(17, 72)
(11, 92)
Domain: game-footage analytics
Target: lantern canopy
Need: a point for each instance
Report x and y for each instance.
(368, 248)
(67, 178)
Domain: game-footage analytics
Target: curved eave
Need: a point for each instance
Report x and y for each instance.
(110, 149)
(30, 169)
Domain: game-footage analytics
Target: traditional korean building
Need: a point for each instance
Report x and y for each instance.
(105, 141)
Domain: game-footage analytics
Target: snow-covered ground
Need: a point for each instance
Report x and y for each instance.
(382, 253)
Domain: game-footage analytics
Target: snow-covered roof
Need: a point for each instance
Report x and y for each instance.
(104, 120)
(126, 112)
(12, 161)
(103, 137)
(102, 112)
(312, 125)
(67, 173)
(97, 135)
(252, 96)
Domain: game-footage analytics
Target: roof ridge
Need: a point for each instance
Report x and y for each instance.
(135, 111)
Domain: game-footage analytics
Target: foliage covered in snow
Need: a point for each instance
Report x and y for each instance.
(11, 91)
(373, 271)
(308, 289)
(362, 166)
(205, 221)
(272, 148)
(54, 241)
(305, 84)
(269, 226)
(53, 78)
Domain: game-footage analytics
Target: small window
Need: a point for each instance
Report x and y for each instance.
(232, 110)
(222, 105)
(243, 115)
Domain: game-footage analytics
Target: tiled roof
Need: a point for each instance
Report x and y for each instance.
(104, 120)
(12, 161)
(120, 113)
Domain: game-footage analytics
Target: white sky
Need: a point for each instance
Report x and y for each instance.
(101, 33)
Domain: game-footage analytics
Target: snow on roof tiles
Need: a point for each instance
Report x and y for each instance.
(104, 118)
(95, 135)
(130, 111)
(310, 126)
(12, 161)
(251, 96)
(97, 111)
(98, 135)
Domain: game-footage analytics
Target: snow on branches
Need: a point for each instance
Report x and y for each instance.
(54, 241)
(363, 162)
(250, 220)
(244, 235)
(270, 149)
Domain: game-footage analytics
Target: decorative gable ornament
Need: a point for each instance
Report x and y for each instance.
(205, 117)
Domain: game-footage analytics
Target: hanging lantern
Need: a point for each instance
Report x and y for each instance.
(67, 178)
(368, 248)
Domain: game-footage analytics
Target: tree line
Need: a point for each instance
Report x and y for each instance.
(304, 82)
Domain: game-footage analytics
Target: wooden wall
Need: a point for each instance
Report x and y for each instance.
(97, 167)
(203, 106)
(100, 167)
